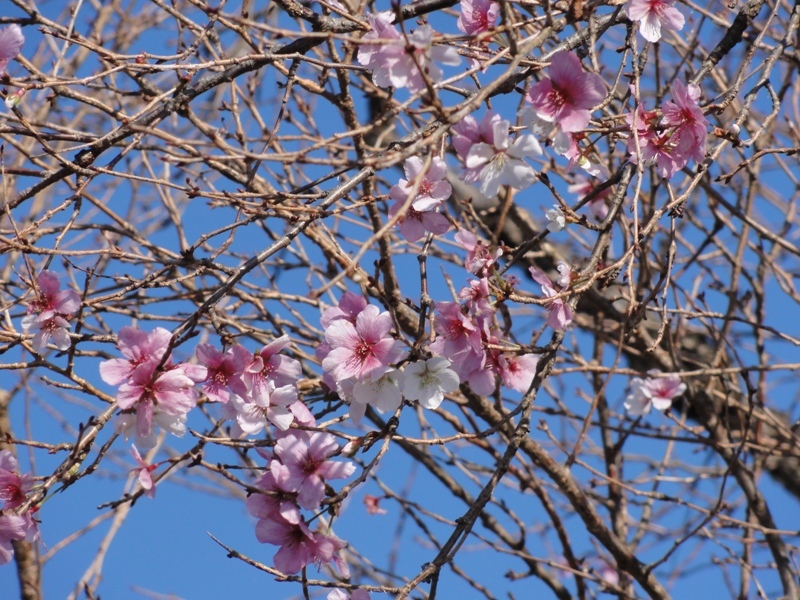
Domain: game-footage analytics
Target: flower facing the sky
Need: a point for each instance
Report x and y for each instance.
(478, 16)
(568, 95)
(429, 380)
(653, 16)
(653, 392)
(11, 40)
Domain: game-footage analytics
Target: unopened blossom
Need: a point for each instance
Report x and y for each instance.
(429, 380)
(13, 485)
(498, 162)
(381, 391)
(224, 370)
(11, 40)
(568, 95)
(683, 113)
(363, 350)
(653, 16)
(653, 392)
(556, 220)
(565, 275)
(559, 314)
(478, 16)
(480, 258)
(396, 59)
(48, 314)
(305, 459)
(144, 471)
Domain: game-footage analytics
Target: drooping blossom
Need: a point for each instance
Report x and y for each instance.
(653, 392)
(372, 504)
(653, 16)
(556, 220)
(12, 528)
(396, 59)
(497, 162)
(414, 224)
(144, 472)
(11, 40)
(13, 485)
(559, 314)
(478, 16)
(362, 350)
(303, 463)
(338, 594)
(683, 113)
(429, 380)
(382, 392)
(568, 95)
(48, 314)
(480, 259)
(126, 426)
(224, 370)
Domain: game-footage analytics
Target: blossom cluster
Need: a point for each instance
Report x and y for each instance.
(671, 140)
(48, 315)
(13, 489)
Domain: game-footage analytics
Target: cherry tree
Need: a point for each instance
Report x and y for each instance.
(399, 299)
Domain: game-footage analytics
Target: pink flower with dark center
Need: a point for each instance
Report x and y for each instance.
(47, 315)
(432, 188)
(414, 225)
(138, 347)
(350, 305)
(478, 16)
(305, 456)
(654, 147)
(567, 97)
(11, 40)
(13, 486)
(653, 16)
(268, 366)
(363, 350)
(299, 546)
(458, 339)
(516, 370)
(224, 371)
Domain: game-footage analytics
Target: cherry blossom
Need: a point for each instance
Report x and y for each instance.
(478, 16)
(556, 220)
(497, 162)
(342, 595)
(365, 349)
(567, 97)
(12, 528)
(479, 257)
(47, 315)
(271, 405)
(350, 305)
(372, 504)
(468, 132)
(305, 458)
(144, 471)
(683, 113)
(224, 370)
(653, 392)
(13, 486)
(582, 187)
(415, 224)
(429, 380)
(126, 426)
(653, 16)
(458, 337)
(400, 61)
(559, 314)
(382, 392)
(516, 370)
(11, 40)
(431, 186)
(138, 347)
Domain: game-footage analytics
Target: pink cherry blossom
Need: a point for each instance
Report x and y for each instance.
(683, 113)
(396, 60)
(305, 456)
(414, 224)
(382, 392)
(365, 349)
(459, 339)
(516, 370)
(144, 471)
(350, 305)
(582, 187)
(429, 380)
(342, 595)
(268, 370)
(13, 486)
(12, 528)
(480, 259)
(11, 40)
(224, 370)
(478, 16)
(271, 405)
(653, 392)
(653, 16)
(559, 314)
(568, 96)
(431, 185)
(655, 148)
(372, 504)
(47, 315)
(138, 347)
(497, 162)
